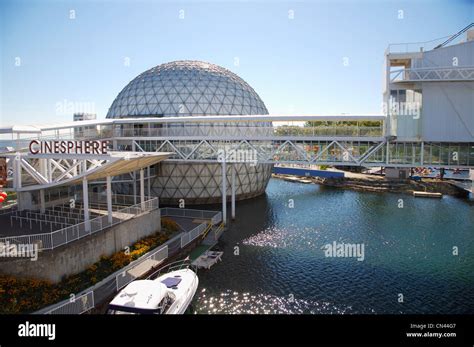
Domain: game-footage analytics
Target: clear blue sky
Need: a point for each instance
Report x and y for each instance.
(296, 66)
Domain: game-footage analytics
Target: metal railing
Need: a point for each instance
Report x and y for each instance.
(215, 217)
(410, 47)
(263, 131)
(71, 233)
(102, 291)
(117, 199)
(8, 209)
(433, 74)
(155, 258)
(76, 305)
(192, 235)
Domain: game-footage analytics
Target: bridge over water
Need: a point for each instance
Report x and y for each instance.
(343, 140)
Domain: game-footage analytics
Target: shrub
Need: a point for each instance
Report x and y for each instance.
(169, 225)
(25, 295)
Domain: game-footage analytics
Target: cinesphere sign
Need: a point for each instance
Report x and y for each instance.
(68, 147)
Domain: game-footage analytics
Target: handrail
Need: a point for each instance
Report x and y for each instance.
(437, 68)
(406, 44)
(80, 230)
(206, 231)
(219, 228)
(449, 38)
(176, 265)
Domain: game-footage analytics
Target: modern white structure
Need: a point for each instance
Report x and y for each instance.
(430, 93)
(429, 97)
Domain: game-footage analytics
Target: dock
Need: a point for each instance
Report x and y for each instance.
(203, 257)
(427, 194)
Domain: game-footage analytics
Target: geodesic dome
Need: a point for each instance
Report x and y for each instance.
(194, 88)
(186, 88)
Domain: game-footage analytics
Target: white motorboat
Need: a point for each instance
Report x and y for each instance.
(170, 293)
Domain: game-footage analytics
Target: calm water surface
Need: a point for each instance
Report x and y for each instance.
(281, 266)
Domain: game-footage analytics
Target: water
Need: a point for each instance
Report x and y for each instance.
(282, 268)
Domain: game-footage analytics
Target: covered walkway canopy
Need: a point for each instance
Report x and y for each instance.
(83, 166)
(55, 170)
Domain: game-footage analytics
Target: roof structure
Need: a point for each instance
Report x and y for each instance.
(112, 164)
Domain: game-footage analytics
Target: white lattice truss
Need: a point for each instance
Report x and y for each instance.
(48, 170)
(433, 74)
(340, 152)
(56, 170)
(329, 152)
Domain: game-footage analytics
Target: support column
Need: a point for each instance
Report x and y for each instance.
(42, 201)
(74, 171)
(134, 174)
(17, 171)
(134, 187)
(233, 193)
(142, 188)
(109, 199)
(471, 175)
(49, 169)
(422, 153)
(85, 200)
(42, 167)
(149, 181)
(224, 193)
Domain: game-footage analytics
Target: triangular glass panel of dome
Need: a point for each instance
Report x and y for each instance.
(198, 191)
(190, 180)
(170, 108)
(228, 99)
(177, 181)
(215, 99)
(236, 109)
(184, 192)
(196, 97)
(224, 110)
(150, 98)
(194, 108)
(171, 192)
(219, 91)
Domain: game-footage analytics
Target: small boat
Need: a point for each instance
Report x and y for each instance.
(170, 293)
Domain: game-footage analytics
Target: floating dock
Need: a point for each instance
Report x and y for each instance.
(207, 259)
(427, 195)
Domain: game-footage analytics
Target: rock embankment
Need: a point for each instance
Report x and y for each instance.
(378, 184)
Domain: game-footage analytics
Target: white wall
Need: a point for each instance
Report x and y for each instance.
(448, 111)
(443, 57)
